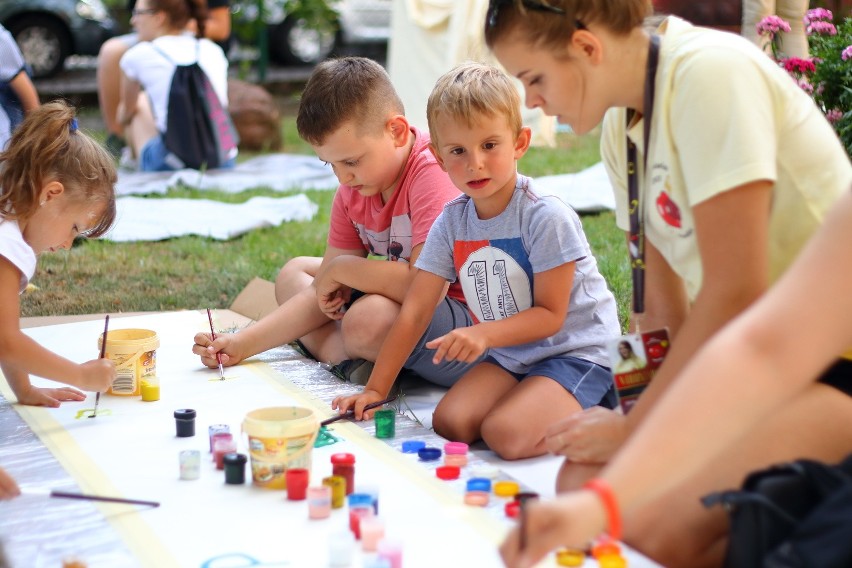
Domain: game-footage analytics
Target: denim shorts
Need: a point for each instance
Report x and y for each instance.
(449, 315)
(590, 383)
(154, 157)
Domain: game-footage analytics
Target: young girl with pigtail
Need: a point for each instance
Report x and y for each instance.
(56, 184)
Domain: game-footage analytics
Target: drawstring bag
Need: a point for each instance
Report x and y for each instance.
(794, 515)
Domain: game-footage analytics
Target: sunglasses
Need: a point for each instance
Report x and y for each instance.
(494, 10)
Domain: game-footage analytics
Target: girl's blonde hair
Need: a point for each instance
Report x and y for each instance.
(470, 91)
(47, 147)
(550, 23)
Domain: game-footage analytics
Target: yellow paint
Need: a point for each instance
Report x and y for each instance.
(150, 391)
(88, 412)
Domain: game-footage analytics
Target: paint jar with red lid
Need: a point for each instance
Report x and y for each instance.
(343, 465)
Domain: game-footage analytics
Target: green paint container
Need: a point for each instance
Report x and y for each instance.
(385, 423)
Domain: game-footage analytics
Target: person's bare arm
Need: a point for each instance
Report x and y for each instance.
(23, 87)
(295, 318)
(130, 90)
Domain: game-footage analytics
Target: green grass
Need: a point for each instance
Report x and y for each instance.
(193, 272)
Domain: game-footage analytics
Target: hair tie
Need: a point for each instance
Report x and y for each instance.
(73, 126)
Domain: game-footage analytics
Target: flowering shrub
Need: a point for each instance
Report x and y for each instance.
(827, 75)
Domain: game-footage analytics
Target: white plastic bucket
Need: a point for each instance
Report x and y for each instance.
(279, 438)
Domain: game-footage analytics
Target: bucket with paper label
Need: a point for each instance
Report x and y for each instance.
(134, 352)
(279, 438)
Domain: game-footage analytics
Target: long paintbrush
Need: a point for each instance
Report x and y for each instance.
(218, 355)
(103, 352)
(67, 495)
(349, 413)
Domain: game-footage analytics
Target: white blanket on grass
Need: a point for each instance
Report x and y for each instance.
(139, 219)
(154, 219)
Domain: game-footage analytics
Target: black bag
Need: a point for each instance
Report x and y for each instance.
(791, 515)
(199, 131)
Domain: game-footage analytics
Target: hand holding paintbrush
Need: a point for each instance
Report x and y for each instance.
(103, 352)
(213, 338)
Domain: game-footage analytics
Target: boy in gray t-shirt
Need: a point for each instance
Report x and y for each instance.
(542, 312)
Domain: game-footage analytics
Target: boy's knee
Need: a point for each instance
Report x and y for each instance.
(293, 277)
(505, 438)
(366, 325)
(453, 426)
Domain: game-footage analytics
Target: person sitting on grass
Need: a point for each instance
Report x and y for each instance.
(543, 312)
(56, 184)
(18, 95)
(341, 306)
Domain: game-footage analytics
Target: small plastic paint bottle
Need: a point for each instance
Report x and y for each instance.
(570, 557)
(385, 423)
(506, 489)
(373, 492)
(455, 453)
(319, 502)
(341, 547)
(219, 436)
(376, 562)
(412, 446)
(360, 507)
(338, 490)
(390, 550)
(448, 472)
(485, 470)
(297, 480)
(343, 465)
(190, 464)
(372, 531)
(185, 422)
(235, 468)
(220, 448)
(478, 492)
(513, 509)
(150, 387)
(429, 454)
(214, 429)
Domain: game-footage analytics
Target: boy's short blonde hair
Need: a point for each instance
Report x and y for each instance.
(470, 91)
(353, 89)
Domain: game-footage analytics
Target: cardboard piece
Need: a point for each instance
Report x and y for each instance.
(256, 300)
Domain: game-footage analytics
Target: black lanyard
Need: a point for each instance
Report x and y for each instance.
(637, 221)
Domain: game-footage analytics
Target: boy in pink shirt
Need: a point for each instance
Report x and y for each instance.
(341, 306)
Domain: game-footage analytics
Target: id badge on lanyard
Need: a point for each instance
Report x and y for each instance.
(636, 357)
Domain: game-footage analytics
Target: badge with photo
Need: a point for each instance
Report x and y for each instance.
(634, 359)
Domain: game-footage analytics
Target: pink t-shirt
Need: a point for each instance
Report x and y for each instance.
(394, 228)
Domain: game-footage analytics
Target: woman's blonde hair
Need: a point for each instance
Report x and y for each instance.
(470, 91)
(550, 23)
(47, 147)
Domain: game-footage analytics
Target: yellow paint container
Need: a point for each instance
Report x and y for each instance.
(279, 438)
(134, 352)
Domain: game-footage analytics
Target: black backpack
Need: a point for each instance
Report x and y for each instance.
(794, 515)
(199, 132)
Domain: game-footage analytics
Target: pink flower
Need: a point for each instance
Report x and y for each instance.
(847, 53)
(797, 65)
(833, 115)
(818, 14)
(805, 85)
(771, 25)
(820, 27)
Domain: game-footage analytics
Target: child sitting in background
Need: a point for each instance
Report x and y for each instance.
(17, 92)
(542, 309)
(391, 190)
(56, 184)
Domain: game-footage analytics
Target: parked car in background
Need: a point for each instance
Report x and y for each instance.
(48, 31)
(297, 40)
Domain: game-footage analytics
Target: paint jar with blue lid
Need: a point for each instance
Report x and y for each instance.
(479, 484)
(412, 446)
(429, 454)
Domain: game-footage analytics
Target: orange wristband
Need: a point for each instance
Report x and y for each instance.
(604, 492)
